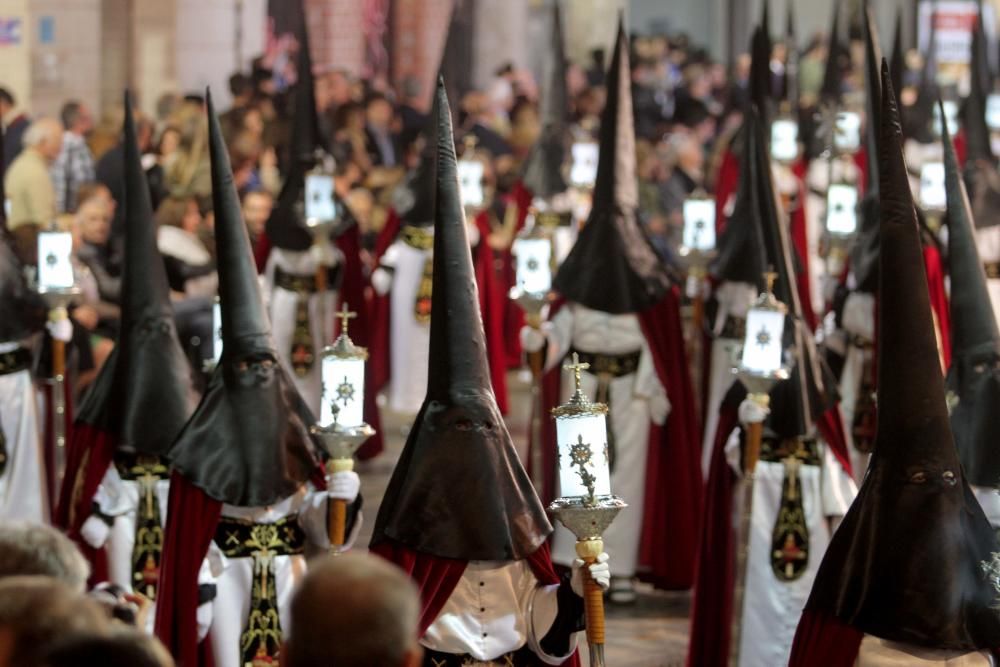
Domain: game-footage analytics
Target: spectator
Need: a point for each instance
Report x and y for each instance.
(241, 88)
(382, 144)
(27, 183)
(28, 549)
(354, 610)
(257, 205)
(15, 124)
(75, 165)
(93, 222)
(122, 648)
(190, 268)
(36, 611)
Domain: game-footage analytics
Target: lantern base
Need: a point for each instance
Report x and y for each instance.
(532, 303)
(757, 383)
(59, 297)
(341, 442)
(585, 519)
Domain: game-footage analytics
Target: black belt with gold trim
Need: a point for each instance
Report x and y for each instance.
(522, 657)
(614, 365)
(992, 269)
(421, 238)
(734, 328)
(238, 538)
(132, 466)
(806, 451)
(16, 360)
(296, 283)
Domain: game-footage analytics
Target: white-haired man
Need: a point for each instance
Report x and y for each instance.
(27, 183)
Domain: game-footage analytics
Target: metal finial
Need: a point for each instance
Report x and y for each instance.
(576, 367)
(770, 277)
(345, 316)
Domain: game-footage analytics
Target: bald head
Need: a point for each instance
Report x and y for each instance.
(45, 136)
(354, 610)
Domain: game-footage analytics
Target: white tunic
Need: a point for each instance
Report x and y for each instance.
(636, 399)
(22, 484)
(771, 608)
(497, 607)
(858, 321)
(283, 305)
(878, 652)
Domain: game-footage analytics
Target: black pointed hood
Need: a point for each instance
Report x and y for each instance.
(248, 442)
(906, 562)
(144, 392)
(921, 114)
(760, 71)
(830, 89)
(421, 182)
(613, 267)
(977, 134)
(791, 58)
(974, 375)
(543, 173)
(459, 490)
(285, 228)
(864, 254)
(897, 61)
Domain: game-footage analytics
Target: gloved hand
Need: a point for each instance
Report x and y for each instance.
(858, 317)
(323, 253)
(61, 329)
(381, 281)
(343, 486)
(532, 340)
(659, 408)
(752, 412)
(599, 572)
(95, 532)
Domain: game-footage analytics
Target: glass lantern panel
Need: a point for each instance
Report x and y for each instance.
(699, 224)
(842, 209)
(762, 346)
(583, 172)
(993, 111)
(932, 191)
(470, 182)
(216, 331)
(584, 464)
(951, 116)
(847, 132)
(320, 205)
(55, 268)
(784, 140)
(343, 384)
(534, 265)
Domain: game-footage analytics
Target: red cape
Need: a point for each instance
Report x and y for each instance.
(437, 577)
(726, 183)
(821, 639)
(671, 509)
(492, 304)
(521, 197)
(353, 292)
(939, 299)
(712, 604)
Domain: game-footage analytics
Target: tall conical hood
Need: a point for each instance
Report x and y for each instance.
(897, 61)
(830, 89)
(791, 58)
(459, 490)
(284, 226)
(760, 71)
(977, 134)
(421, 183)
(144, 392)
(543, 174)
(921, 114)
(613, 267)
(864, 254)
(905, 564)
(248, 442)
(974, 375)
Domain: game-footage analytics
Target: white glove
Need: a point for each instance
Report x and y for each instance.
(859, 315)
(532, 340)
(323, 253)
(752, 412)
(659, 408)
(381, 281)
(343, 486)
(60, 329)
(599, 572)
(95, 532)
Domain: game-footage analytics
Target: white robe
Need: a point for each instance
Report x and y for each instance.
(225, 617)
(859, 321)
(630, 413)
(877, 652)
(496, 608)
(771, 608)
(283, 305)
(822, 171)
(22, 485)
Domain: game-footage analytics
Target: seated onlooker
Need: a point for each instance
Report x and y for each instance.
(93, 218)
(122, 648)
(354, 610)
(257, 205)
(190, 268)
(37, 611)
(38, 549)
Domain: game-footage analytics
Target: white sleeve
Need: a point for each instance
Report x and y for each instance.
(732, 451)
(212, 566)
(111, 495)
(839, 488)
(543, 606)
(559, 332)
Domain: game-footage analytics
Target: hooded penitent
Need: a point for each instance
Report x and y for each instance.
(920, 116)
(973, 379)
(459, 490)
(864, 254)
(907, 563)
(897, 61)
(543, 174)
(791, 91)
(830, 89)
(760, 71)
(977, 133)
(248, 442)
(613, 267)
